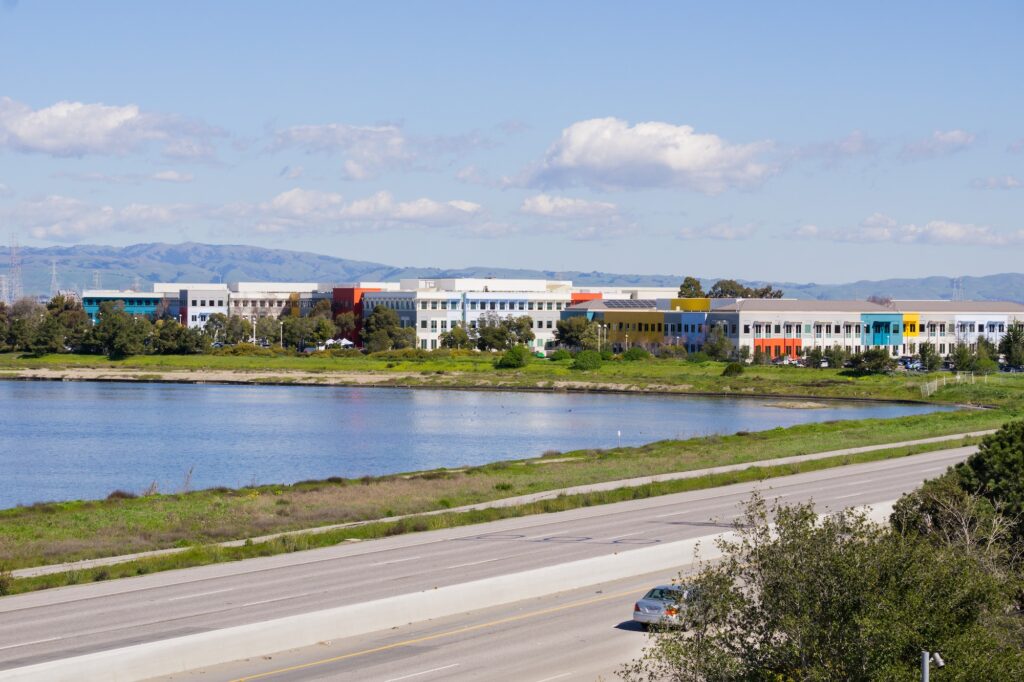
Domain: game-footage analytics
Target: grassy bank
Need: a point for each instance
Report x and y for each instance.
(67, 531)
(209, 554)
(475, 370)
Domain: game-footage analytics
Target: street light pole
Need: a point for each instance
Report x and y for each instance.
(281, 324)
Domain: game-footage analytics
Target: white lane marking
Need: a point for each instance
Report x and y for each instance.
(843, 497)
(475, 563)
(556, 677)
(395, 561)
(689, 511)
(270, 601)
(37, 641)
(935, 468)
(617, 537)
(201, 594)
(424, 672)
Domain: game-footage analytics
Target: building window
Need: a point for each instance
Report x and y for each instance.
(501, 305)
(493, 305)
(778, 329)
(746, 329)
(550, 307)
(522, 305)
(433, 325)
(193, 318)
(444, 305)
(433, 305)
(549, 324)
(734, 330)
(529, 306)
(193, 303)
(423, 305)
(423, 324)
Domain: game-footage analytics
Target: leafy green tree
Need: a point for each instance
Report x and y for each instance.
(962, 357)
(814, 357)
(403, 337)
(874, 361)
(25, 317)
(929, 357)
(996, 472)
(386, 320)
(456, 338)
(4, 326)
(377, 341)
(577, 332)
(172, 338)
(216, 326)
(72, 317)
(717, 345)
(798, 596)
(492, 334)
(985, 357)
(514, 358)
(836, 356)
(119, 334)
(345, 326)
(691, 288)
(321, 310)
(636, 353)
(48, 337)
(323, 329)
(1012, 345)
(520, 329)
(733, 369)
(298, 332)
(586, 360)
(730, 288)
(269, 330)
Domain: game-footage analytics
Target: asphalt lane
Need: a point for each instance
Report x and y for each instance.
(584, 634)
(99, 616)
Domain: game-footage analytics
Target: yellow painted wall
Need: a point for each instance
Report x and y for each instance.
(691, 305)
(911, 319)
(631, 321)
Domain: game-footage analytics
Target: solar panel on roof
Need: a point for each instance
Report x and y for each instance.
(629, 303)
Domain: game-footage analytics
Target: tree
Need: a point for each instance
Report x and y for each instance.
(386, 320)
(456, 338)
(4, 325)
(1012, 345)
(691, 288)
(798, 596)
(72, 318)
(996, 472)
(930, 359)
(814, 357)
(730, 288)
(270, 329)
(345, 326)
(514, 358)
(520, 329)
(239, 329)
(636, 353)
(836, 356)
(403, 337)
(586, 360)
(962, 357)
(322, 310)
(716, 344)
(48, 337)
(120, 334)
(298, 332)
(577, 332)
(491, 334)
(25, 317)
(874, 361)
(172, 338)
(377, 341)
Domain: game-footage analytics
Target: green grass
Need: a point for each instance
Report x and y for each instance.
(202, 555)
(475, 370)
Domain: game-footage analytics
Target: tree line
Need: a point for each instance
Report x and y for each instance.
(725, 288)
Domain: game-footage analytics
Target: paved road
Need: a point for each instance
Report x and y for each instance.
(80, 619)
(581, 635)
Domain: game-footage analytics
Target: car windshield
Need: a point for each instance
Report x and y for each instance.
(664, 594)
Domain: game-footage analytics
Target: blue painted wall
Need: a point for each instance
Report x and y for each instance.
(882, 329)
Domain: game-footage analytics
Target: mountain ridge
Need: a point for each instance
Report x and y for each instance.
(118, 267)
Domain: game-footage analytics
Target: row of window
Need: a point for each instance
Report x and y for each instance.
(493, 305)
(126, 301)
(202, 303)
(539, 324)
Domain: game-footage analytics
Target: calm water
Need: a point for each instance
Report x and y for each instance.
(82, 440)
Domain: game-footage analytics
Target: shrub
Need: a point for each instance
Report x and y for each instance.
(5, 581)
(121, 495)
(586, 360)
(672, 351)
(699, 356)
(636, 353)
(514, 358)
(733, 369)
(607, 355)
(560, 354)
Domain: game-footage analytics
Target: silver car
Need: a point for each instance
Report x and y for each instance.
(661, 606)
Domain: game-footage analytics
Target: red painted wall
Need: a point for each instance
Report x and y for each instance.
(350, 300)
(582, 297)
(776, 348)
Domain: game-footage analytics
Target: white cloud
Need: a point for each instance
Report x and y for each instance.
(78, 129)
(566, 207)
(998, 182)
(370, 150)
(881, 228)
(608, 153)
(65, 219)
(720, 232)
(857, 144)
(939, 143)
(173, 176)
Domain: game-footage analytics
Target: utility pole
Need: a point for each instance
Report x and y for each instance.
(927, 658)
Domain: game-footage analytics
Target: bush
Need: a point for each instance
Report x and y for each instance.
(514, 358)
(607, 355)
(560, 354)
(699, 356)
(587, 360)
(636, 353)
(672, 351)
(6, 579)
(121, 495)
(401, 354)
(733, 369)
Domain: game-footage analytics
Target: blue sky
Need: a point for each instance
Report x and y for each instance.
(785, 141)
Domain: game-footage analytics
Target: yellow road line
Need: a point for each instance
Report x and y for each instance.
(449, 633)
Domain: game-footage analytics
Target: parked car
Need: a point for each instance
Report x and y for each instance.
(663, 605)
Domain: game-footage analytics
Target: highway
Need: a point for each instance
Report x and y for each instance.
(100, 616)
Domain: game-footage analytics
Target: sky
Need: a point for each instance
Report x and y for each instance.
(778, 141)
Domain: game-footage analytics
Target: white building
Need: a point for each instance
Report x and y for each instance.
(253, 300)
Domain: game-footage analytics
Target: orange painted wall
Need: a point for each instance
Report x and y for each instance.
(768, 346)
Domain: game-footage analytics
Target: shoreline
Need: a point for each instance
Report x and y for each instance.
(350, 379)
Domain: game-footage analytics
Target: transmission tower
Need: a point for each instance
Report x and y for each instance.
(958, 289)
(5, 294)
(54, 288)
(96, 279)
(15, 291)
(136, 283)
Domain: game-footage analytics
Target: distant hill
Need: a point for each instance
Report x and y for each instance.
(118, 267)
